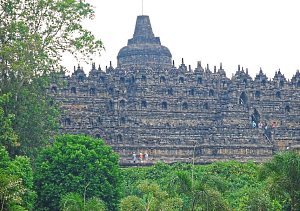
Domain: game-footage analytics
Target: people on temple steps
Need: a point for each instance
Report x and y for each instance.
(134, 157)
(141, 157)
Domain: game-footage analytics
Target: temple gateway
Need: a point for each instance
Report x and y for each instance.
(146, 105)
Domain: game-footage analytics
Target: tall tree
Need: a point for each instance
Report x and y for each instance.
(198, 194)
(78, 164)
(151, 198)
(33, 36)
(16, 183)
(283, 172)
(8, 137)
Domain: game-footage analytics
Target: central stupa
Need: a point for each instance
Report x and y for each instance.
(144, 48)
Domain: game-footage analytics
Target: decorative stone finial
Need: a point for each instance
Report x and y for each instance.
(199, 64)
(182, 61)
(144, 48)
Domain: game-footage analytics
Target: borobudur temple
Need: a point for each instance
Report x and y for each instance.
(148, 105)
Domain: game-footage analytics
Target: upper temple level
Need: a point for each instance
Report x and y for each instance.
(144, 48)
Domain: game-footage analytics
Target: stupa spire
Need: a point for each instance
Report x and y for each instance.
(144, 48)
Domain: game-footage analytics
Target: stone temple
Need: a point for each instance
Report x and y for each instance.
(147, 105)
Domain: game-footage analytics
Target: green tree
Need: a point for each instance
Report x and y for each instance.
(75, 202)
(151, 198)
(36, 120)
(33, 36)
(197, 194)
(8, 137)
(79, 164)
(132, 203)
(283, 173)
(16, 183)
(257, 199)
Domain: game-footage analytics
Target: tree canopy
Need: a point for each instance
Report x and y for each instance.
(78, 164)
(16, 183)
(283, 174)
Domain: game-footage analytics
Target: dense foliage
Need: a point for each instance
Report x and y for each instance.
(75, 202)
(78, 164)
(219, 186)
(283, 175)
(16, 183)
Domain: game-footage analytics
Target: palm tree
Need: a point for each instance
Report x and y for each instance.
(74, 202)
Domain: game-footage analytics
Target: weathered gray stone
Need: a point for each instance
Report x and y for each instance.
(146, 104)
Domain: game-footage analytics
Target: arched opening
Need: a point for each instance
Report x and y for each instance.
(287, 109)
(80, 78)
(110, 105)
(119, 138)
(224, 84)
(98, 136)
(298, 84)
(211, 93)
(122, 104)
(185, 106)
(73, 90)
(144, 78)
(54, 89)
(92, 91)
(192, 92)
(170, 91)
(255, 118)
(257, 94)
(131, 79)
(245, 81)
(122, 80)
(205, 106)
(278, 94)
(162, 79)
(263, 82)
(122, 121)
(164, 105)
(199, 81)
(281, 83)
(181, 80)
(102, 79)
(67, 121)
(110, 90)
(143, 104)
(99, 120)
(243, 99)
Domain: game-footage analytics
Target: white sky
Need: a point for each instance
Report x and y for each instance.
(252, 33)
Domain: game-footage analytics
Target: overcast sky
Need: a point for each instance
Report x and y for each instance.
(252, 33)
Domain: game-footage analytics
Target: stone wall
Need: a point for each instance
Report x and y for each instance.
(179, 114)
